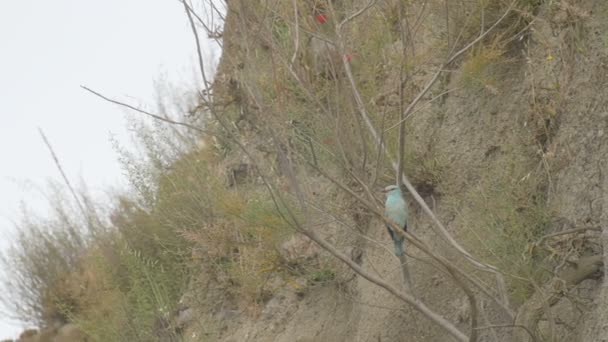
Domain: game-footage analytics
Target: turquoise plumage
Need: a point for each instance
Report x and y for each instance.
(395, 209)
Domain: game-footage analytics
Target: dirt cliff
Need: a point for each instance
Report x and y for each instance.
(510, 147)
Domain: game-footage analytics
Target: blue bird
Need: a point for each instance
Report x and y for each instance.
(395, 210)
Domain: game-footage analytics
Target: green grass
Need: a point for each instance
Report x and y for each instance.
(503, 217)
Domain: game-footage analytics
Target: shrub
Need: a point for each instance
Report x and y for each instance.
(44, 251)
(503, 217)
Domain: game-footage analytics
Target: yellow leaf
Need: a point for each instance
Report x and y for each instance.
(549, 58)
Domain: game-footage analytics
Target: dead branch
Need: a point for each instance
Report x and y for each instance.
(456, 273)
(154, 116)
(81, 207)
(509, 326)
(565, 232)
(405, 270)
(415, 303)
(297, 34)
(407, 278)
(530, 313)
(421, 107)
(369, 5)
(211, 33)
(366, 117)
(63, 175)
(452, 58)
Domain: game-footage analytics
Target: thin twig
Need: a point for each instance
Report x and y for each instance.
(421, 107)
(432, 81)
(63, 175)
(211, 33)
(155, 116)
(369, 5)
(297, 34)
(508, 326)
(407, 278)
(199, 54)
(415, 241)
(401, 151)
(447, 22)
(566, 232)
(418, 305)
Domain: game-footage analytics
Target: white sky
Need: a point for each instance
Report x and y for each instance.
(47, 50)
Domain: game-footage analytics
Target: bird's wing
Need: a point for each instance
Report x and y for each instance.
(397, 214)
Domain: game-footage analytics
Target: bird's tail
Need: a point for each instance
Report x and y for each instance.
(398, 247)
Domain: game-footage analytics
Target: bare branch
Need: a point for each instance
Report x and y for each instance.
(199, 53)
(421, 107)
(366, 117)
(432, 81)
(407, 278)
(566, 232)
(369, 5)
(297, 28)
(401, 153)
(509, 326)
(63, 174)
(415, 241)
(154, 116)
(419, 306)
(211, 33)
(530, 313)
(405, 270)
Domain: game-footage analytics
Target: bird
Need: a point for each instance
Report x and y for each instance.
(395, 209)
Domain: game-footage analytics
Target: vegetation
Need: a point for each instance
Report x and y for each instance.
(286, 148)
(503, 219)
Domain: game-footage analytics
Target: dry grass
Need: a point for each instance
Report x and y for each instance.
(504, 216)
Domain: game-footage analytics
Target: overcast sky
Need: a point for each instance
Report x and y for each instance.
(47, 50)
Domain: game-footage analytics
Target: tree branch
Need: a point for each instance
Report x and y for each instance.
(530, 313)
(366, 117)
(369, 5)
(154, 116)
(566, 232)
(63, 175)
